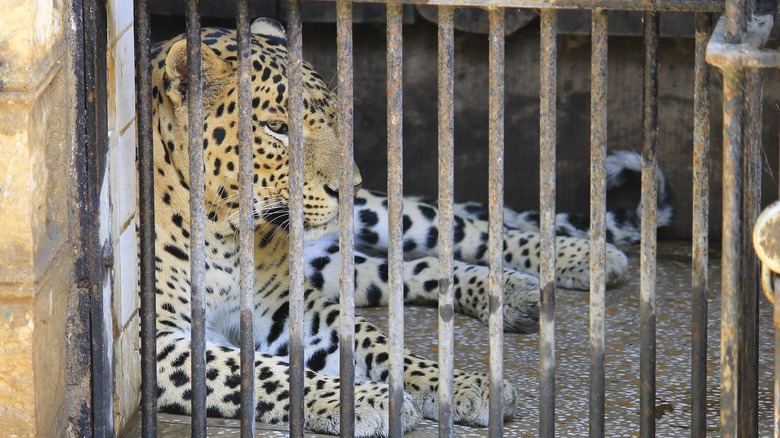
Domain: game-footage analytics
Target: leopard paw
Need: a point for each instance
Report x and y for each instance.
(521, 302)
(472, 403)
(371, 411)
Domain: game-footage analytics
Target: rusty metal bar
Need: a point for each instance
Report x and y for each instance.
(751, 207)
(91, 157)
(346, 220)
(548, 74)
(295, 151)
(735, 13)
(395, 251)
(626, 5)
(598, 207)
(701, 208)
(733, 88)
(143, 109)
(749, 52)
(496, 218)
(246, 225)
(446, 133)
(649, 221)
(776, 317)
(197, 219)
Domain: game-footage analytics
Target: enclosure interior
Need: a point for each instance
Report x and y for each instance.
(675, 139)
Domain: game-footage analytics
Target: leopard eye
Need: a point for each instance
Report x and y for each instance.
(277, 126)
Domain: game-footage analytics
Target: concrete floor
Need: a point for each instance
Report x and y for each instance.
(521, 358)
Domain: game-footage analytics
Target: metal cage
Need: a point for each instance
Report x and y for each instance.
(735, 48)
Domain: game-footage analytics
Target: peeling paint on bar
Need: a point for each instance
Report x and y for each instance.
(346, 218)
(295, 151)
(247, 219)
(598, 205)
(197, 219)
(395, 252)
(446, 57)
(548, 72)
(496, 219)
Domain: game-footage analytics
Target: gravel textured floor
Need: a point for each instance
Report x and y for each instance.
(622, 361)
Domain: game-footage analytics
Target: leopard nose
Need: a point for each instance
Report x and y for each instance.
(333, 190)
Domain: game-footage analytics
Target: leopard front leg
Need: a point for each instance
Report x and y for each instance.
(521, 248)
(471, 295)
(321, 392)
(421, 381)
(572, 259)
(421, 286)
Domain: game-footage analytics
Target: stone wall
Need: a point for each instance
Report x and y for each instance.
(36, 257)
(45, 382)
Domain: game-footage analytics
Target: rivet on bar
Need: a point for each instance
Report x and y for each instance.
(197, 219)
(649, 219)
(598, 204)
(395, 216)
(295, 151)
(496, 218)
(143, 102)
(548, 73)
(246, 213)
(346, 218)
(446, 84)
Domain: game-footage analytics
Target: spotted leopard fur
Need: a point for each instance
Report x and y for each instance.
(321, 190)
(172, 246)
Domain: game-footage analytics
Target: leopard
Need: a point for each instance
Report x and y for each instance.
(270, 202)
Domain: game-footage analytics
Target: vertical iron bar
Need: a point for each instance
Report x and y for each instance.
(496, 219)
(295, 151)
(246, 226)
(649, 221)
(346, 218)
(751, 207)
(446, 133)
(143, 110)
(96, 151)
(736, 21)
(776, 318)
(598, 204)
(197, 219)
(395, 216)
(548, 71)
(701, 208)
(733, 82)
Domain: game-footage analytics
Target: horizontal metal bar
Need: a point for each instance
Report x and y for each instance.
(748, 52)
(625, 5)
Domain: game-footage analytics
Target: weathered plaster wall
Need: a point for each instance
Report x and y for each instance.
(36, 261)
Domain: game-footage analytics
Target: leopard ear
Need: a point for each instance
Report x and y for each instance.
(215, 73)
(270, 29)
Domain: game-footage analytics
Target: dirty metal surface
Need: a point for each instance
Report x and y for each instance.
(521, 359)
